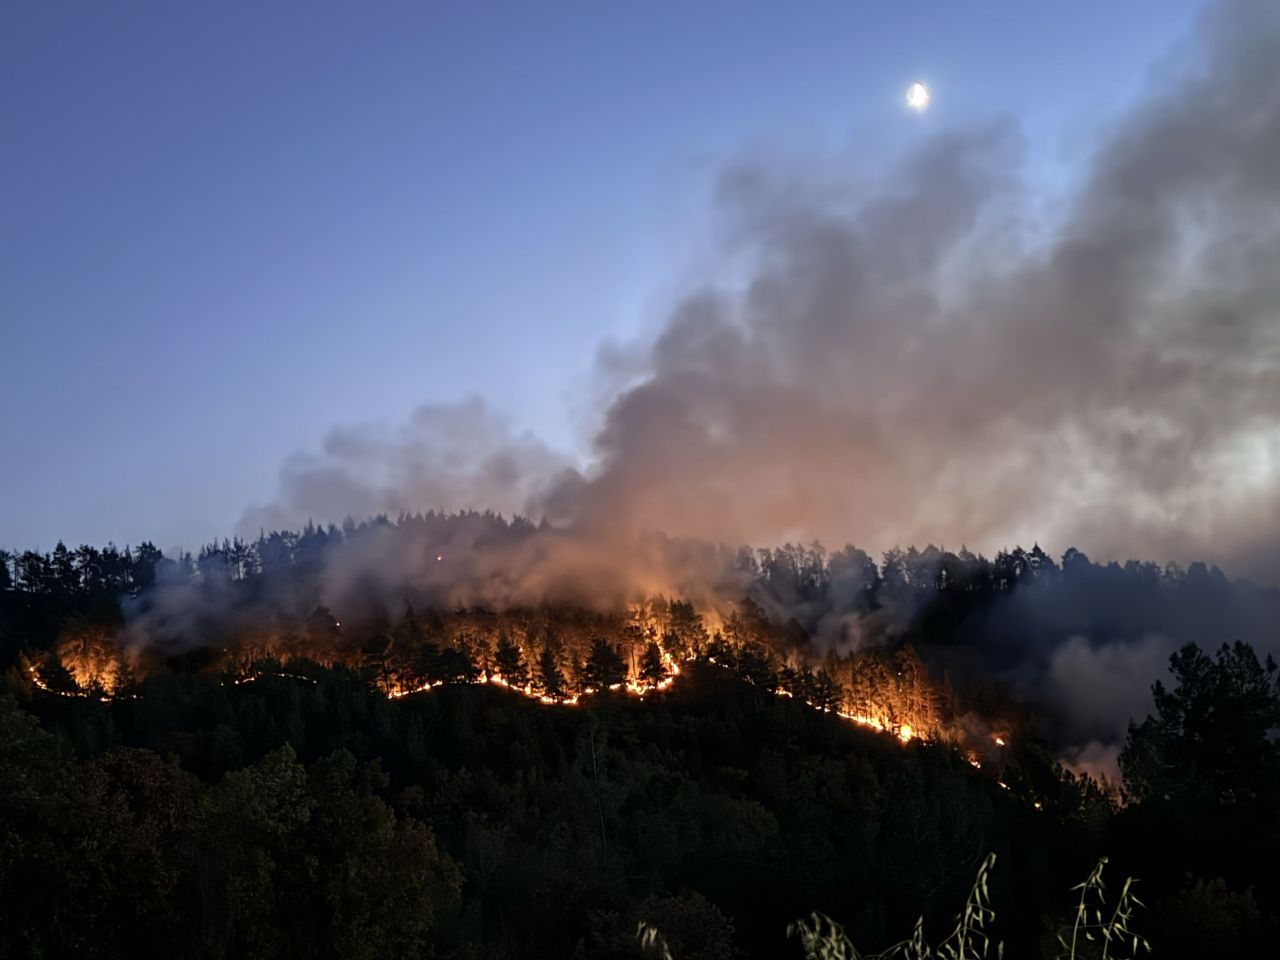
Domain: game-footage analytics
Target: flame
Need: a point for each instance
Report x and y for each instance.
(273, 673)
(95, 664)
(91, 670)
(401, 691)
(36, 679)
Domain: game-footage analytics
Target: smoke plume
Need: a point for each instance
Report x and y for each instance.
(925, 360)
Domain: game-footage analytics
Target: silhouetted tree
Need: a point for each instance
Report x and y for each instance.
(604, 666)
(1211, 740)
(510, 662)
(550, 675)
(652, 669)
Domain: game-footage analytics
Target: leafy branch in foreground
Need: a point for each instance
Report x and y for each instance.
(652, 942)
(1094, 933)
(1112, 936)
(824, 939)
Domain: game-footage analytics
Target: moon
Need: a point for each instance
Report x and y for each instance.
(917, 96)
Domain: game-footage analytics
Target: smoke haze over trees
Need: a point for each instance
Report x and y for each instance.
(1078, 643)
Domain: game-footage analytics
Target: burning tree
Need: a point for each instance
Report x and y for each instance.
(604, 666)
(550, 676)
(509, 662)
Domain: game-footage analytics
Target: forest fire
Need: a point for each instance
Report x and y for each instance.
(82, 678)
(556, 654)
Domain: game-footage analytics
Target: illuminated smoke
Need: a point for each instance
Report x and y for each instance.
(925, 359)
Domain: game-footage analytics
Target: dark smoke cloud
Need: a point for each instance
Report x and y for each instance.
(1096, 682)
(912, 361)
(1097, 689)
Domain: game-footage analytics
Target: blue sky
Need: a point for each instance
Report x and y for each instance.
(228, 227)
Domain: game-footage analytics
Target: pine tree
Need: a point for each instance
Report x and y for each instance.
(550, 677)
(510, 662)
(604, 667)
(824, 693)
(652, 669)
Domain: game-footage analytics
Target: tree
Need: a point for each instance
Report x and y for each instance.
(686, 634)
(510, 662)
(550, 677)
(63, 568)
(825, 692)
(145, 561)
(718, 650)
(247, 854)
(54, 676)
(33, 572)
(652, 669)
(386, 883)
(424, 662)
(604, 667)
(375, 661)
(453, 665)
(47, 862)
(747, 624)
(755, 663)
(914, 700)
(142, 817)
(1210, 741)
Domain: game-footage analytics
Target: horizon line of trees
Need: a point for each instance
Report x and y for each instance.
(801, 571)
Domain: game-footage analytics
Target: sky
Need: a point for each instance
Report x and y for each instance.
(229, 228)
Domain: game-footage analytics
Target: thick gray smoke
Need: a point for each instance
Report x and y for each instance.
(924, 360)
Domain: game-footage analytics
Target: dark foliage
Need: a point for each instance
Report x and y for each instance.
(307, 813)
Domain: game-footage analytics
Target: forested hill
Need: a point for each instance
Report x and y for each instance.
(303, 817)
(311, 816)
(306, 746)
(1019, 603)
(434, 597)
